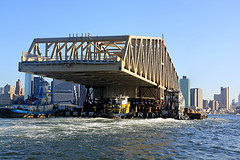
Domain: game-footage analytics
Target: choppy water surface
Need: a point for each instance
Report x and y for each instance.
(96, 138)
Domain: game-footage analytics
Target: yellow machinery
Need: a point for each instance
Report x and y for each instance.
(119, 105)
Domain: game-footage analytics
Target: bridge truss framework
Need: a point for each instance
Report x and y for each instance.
(104, 61)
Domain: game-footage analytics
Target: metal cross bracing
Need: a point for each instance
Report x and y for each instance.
(103, 60)
(76, 48)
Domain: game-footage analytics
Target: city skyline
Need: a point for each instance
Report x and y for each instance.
(202, 36)
(184, 84)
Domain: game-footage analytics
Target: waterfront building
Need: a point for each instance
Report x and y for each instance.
(18, 87)
(185, 88)
(205, 104)
(28, 91)
(225, 92)
(223, 98)
(196, 98)
(218, 97)
(212, 104)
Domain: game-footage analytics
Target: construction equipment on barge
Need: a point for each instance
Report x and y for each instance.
(125, 107)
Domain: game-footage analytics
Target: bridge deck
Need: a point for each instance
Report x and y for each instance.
(93, 73)
(105, 60)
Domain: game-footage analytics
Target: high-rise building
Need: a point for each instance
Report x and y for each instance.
(213, 104)
(22, 92)
(28, 91)
(18, 87)
(196, 98)
(185, 88)
(8, 89)
(218, 97)
(205, 104)
(225, 92)
(223, 98)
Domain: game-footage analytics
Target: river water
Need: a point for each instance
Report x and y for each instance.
(217, 137)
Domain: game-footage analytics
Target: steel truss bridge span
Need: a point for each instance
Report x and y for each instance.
(116, 61)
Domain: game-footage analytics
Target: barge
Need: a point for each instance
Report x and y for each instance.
(125, 107)
(117, 107)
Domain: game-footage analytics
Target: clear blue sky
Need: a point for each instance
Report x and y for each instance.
(203, 36)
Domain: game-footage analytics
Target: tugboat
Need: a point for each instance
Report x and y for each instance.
(31, 108)
(195, 114)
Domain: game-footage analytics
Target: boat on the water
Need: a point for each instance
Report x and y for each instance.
(9, 112)
(196, 115)
(31, 108)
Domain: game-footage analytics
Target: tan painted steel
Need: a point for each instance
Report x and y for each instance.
(103, 60)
